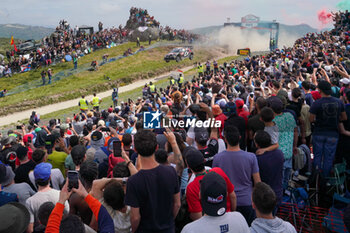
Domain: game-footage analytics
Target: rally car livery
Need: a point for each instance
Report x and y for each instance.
(179, 53)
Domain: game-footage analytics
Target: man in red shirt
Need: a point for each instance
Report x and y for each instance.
(195, 162)
(241, 111)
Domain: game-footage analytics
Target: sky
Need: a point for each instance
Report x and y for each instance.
(186, 14)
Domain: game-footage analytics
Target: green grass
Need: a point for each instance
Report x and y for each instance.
(5, 45)
(106, 102)
(143, 65)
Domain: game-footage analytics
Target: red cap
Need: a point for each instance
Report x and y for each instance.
(25, 137)
(316, 95)
(239, 103)
(110, 110)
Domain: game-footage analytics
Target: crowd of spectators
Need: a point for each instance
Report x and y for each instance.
(73, 41)
(281, 115)
(64, 41)
(140, 17)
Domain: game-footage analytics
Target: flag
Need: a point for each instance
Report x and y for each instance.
(12, 40)
(15, 47)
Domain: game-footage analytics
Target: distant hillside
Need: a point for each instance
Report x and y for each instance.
(298, 30)
(24, 32)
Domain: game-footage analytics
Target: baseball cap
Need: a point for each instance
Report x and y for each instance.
(42, 171)
(345, 81)
(64, 126)
(325, 87)
(230, 108)
(193, 157)
(101, 123)
(213, 194)
(96, 136)
(7, 175)
(201, 135)
(37, 129)
(17, 218)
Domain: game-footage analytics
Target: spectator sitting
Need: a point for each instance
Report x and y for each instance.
(264, 203)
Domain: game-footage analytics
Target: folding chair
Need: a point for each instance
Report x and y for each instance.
(338, 180)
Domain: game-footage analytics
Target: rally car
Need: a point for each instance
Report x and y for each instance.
(179, 53)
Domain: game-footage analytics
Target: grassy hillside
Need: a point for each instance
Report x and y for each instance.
(106, 102)
(24, 32)
(143, 65)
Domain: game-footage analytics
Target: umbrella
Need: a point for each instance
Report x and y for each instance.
(68, 57)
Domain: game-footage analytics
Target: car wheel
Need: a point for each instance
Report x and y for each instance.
(191, 56)
(178, 59)
(167, 61)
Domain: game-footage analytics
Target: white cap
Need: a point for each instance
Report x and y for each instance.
(345, 81)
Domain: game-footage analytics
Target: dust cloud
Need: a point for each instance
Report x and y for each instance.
(233, 38)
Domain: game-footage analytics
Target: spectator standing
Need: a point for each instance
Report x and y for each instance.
(43, 77)
(288, 135)
(23, 190)
(49, 74)
(326, 113)
(240, 167)
(270, 164)
(213, 195)
(195, 162)
(153, 193)
(42, 173)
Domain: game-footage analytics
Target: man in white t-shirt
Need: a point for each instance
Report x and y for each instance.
(56, 178)
(42, 173)
(213, 199)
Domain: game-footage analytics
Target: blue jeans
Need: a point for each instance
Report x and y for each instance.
(324, 148)
(287, 171)
(75, 65)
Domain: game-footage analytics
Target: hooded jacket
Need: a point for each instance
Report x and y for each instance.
(276, 225)
(100, 154)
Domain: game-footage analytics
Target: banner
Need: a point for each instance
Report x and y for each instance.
(244, 52)
(26, 67)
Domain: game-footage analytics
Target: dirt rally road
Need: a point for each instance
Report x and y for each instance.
(18, 116)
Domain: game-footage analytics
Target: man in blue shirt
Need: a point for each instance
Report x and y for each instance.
(326, 113)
